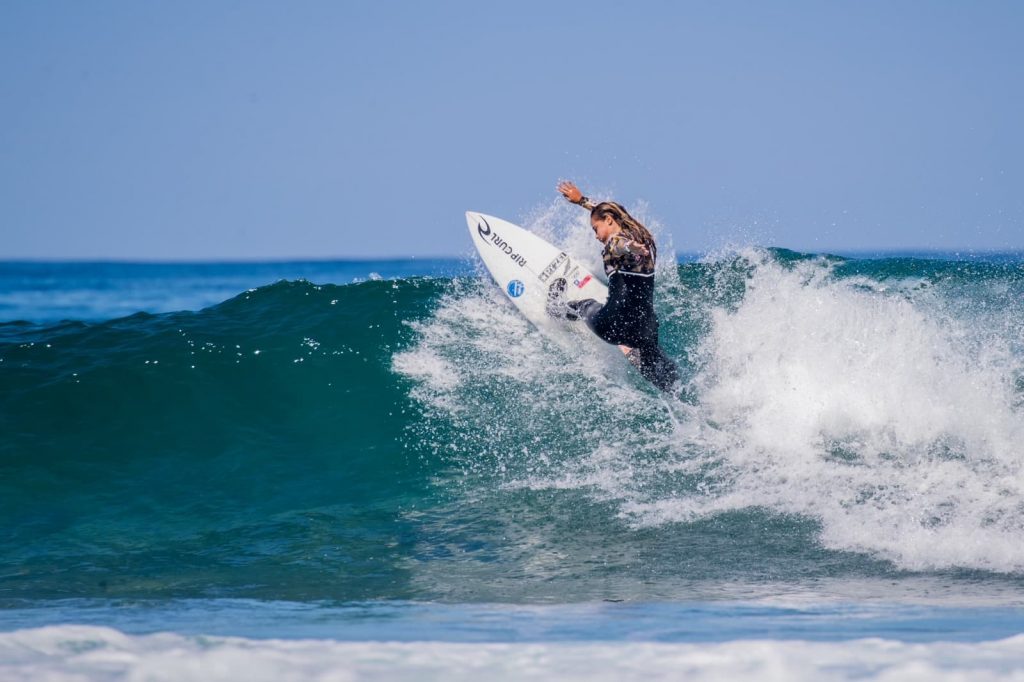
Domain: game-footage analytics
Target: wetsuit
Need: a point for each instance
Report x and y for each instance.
(628, 317)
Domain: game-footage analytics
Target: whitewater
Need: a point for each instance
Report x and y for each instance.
(347, 471)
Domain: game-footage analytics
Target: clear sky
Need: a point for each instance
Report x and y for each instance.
(347, 129)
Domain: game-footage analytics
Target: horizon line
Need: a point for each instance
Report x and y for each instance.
(86, 260)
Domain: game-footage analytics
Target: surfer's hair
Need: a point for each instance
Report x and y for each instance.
(630, 225)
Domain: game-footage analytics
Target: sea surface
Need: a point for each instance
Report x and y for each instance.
(379, 470)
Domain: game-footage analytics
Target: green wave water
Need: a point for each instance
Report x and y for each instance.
(843, 422)
(253, 447)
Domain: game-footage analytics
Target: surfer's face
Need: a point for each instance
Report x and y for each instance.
(603, 227)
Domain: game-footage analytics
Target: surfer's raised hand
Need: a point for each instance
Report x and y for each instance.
(570, 191)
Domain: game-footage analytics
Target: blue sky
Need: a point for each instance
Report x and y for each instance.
(209, 130)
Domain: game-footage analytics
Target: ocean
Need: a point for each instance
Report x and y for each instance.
(379, 470)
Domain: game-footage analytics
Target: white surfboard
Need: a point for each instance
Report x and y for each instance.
(525, 266)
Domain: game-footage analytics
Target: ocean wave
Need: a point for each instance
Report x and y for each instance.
(416, 438)
(888, 416)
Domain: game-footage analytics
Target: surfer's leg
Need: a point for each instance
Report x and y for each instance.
(655, 366)
(603, 321)
(586, 309)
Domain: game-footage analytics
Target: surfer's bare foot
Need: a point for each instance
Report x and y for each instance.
(556, 306)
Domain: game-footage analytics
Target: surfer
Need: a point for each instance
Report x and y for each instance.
(628, 317)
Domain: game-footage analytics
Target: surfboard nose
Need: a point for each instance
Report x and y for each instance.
(478, 225)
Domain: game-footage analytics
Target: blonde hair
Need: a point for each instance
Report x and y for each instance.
(630, 225)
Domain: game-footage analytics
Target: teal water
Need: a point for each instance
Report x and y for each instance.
(312, 441)
(95, 291)
(373, 451)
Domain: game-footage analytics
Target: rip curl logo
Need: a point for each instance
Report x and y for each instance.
(488, 235)
(484, 229)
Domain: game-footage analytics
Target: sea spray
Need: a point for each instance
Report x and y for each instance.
(890, 421)
(862, 404)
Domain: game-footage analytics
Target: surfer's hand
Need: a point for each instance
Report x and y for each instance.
(570, 191)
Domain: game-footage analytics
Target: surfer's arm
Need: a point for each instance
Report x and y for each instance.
(573, 194)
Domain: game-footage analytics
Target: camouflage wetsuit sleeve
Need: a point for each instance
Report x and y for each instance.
(622, 254)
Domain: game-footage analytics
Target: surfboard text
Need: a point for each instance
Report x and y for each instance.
(569, 270)
(487, 233)
(552, 266)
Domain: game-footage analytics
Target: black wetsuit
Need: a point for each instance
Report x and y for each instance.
(628, 317)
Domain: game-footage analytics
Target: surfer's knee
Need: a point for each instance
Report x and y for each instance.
(585, 309)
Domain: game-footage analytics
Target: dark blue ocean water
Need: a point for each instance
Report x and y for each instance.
(52, 291)
(385, 451)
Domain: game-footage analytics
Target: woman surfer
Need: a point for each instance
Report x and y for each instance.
(628, 317)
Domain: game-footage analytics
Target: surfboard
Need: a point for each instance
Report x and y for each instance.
(526, 266)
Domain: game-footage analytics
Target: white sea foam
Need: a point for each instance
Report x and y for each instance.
(885, 412)
(69, 653)
(889, 421)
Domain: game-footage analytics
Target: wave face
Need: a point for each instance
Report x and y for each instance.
(842, 422)
(253, 447)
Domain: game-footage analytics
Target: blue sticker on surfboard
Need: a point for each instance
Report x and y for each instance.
(516, 288)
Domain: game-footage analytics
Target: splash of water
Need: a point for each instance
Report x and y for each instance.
(884, 409)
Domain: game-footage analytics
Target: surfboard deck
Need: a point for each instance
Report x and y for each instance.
(525, 266)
